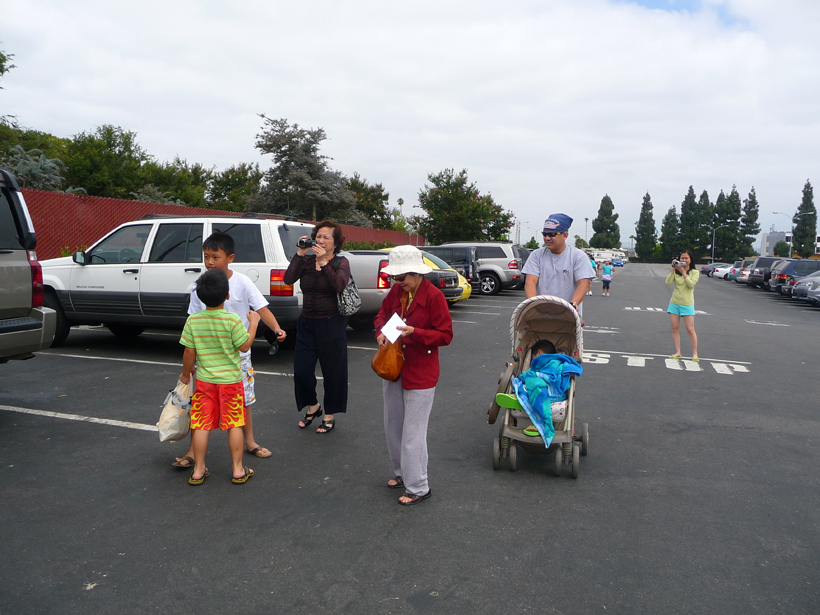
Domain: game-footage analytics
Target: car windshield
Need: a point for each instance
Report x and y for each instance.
(436, 260)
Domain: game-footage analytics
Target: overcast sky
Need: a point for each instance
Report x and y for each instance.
(549, 105)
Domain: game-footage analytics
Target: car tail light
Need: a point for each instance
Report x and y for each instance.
(512, 265)
(278, 288)
(384, 279)
(442, 283)
(36, 280)
(781, 276)
(792, 282)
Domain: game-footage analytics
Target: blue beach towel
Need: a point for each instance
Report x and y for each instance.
(546, 381)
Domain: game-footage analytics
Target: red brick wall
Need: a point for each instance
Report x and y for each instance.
(76, 221)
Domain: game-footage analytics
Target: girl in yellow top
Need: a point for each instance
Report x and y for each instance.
(682, 305)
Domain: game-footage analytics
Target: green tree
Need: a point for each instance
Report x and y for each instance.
(671, 240)
(728, 211)
(781, 248)
(805, 224)
(706, 216)
(372, 201)
(456, 211)
(579, 243)
(300, 182)
(33, 169)
(645, 238)
(749, 226)
(230, 189)
(151, 194)
(690, 231)
(5, 62)
(532, 244)
(607, 233)
(184, 184)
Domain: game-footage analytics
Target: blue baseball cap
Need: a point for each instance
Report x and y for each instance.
(557, 223)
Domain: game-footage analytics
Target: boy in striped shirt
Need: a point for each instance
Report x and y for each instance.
(214, 338)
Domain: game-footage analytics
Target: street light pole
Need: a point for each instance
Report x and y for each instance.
(713, 229)
(586, 220)
(791, 234)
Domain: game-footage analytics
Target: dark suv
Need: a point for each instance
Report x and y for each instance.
(460, 258)
(785, 276)
(761, 270)
(25, 325)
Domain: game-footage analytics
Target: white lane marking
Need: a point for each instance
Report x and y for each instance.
(637, 361)
(691, 366)
(371, 349)
(673, 364)
(485, 313)
(771, 324)
(728, 368)
(79, 417)
(649, 354)
(468, 322)
(654, 309)
(177, 365)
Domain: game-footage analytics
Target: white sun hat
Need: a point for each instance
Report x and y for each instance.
(406, 259)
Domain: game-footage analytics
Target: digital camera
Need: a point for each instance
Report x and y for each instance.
(305, 242)
(678, 264)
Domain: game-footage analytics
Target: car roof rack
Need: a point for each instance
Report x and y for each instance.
(247, 214)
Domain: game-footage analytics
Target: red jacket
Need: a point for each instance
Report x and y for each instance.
(429, 315)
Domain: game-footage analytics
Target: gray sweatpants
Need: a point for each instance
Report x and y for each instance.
(406, 414)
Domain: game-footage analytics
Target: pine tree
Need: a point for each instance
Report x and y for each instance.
(727, 217)
(645, 239)
(749, 226)
(670, 235)
(607, 233)
(690, 231)
(706, 215)
(804, 235)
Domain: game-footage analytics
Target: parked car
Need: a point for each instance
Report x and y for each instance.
(26, 326)
(498, 265)
(791, 273)
(761, 271)
(736, 270)
(142, 272)
(802, 289)
(780, 264)
(460, 258)
(709, 269)
(721, 271)
(617, 262)
(743, 273)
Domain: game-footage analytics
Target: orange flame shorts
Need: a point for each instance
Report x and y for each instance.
(218, 405)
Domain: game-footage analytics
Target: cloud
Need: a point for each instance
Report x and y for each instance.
(548, 105)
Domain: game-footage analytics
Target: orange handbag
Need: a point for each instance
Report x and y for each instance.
(388, 360)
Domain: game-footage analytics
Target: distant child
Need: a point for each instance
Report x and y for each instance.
(219, 252)
(214, 338)
(539, 347)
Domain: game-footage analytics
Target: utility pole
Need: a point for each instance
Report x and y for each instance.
(585, 230)
(713, 229)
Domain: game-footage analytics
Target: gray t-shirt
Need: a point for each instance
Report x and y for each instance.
(558, 273)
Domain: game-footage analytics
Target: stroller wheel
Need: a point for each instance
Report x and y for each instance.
(585, 439)
(558, 461)
(576, 460)
(513, 456)
(496, 454)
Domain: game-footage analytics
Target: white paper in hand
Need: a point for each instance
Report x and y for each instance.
(389, 329)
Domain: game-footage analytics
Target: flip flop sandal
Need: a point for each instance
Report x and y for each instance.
(674, 356)
(257, 452)
(414, 499)
(243, 479)
(309, 417)
(198, 481)
(178, 464)
(531, 431)
(327, 426)
(398, 483)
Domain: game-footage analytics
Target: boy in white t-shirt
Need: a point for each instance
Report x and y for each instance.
(219, 252)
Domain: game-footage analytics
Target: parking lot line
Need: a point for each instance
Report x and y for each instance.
(485, 313)
(177, 365)
(79, 417)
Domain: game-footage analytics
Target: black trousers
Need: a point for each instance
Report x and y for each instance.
(325, 340)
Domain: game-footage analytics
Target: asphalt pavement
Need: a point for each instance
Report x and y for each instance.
(699, 493)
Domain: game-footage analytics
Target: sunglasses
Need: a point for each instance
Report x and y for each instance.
(550, 234)
(400, 278)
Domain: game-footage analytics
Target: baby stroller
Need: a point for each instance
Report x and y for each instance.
(553, 319)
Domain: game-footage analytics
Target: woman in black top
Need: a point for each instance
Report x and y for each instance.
(321, 331)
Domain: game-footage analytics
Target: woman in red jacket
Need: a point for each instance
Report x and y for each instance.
(409, 399)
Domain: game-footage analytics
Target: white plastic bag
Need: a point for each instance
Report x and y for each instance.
(175, 420)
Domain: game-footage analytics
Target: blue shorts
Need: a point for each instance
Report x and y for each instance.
(681, 310)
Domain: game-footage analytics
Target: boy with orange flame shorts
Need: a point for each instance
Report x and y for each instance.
(214, 338)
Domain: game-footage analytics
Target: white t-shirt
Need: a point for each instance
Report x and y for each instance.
(558, 273)
(244, 296)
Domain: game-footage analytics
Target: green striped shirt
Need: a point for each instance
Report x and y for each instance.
(216, 335)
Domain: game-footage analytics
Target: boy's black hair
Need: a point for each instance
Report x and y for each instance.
(544, 347)
(220, 241)
(212, 287)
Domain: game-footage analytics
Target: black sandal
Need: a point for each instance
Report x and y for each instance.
(309, 417)
(414, 499)
(399, 483)
(327, 426)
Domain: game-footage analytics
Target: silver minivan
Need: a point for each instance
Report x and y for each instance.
(498, 265)
(25, 325)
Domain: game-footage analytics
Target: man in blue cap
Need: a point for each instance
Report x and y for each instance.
(558, 269)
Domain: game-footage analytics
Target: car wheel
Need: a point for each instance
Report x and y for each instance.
(489, 284)
(61, 330)
(126, 331)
